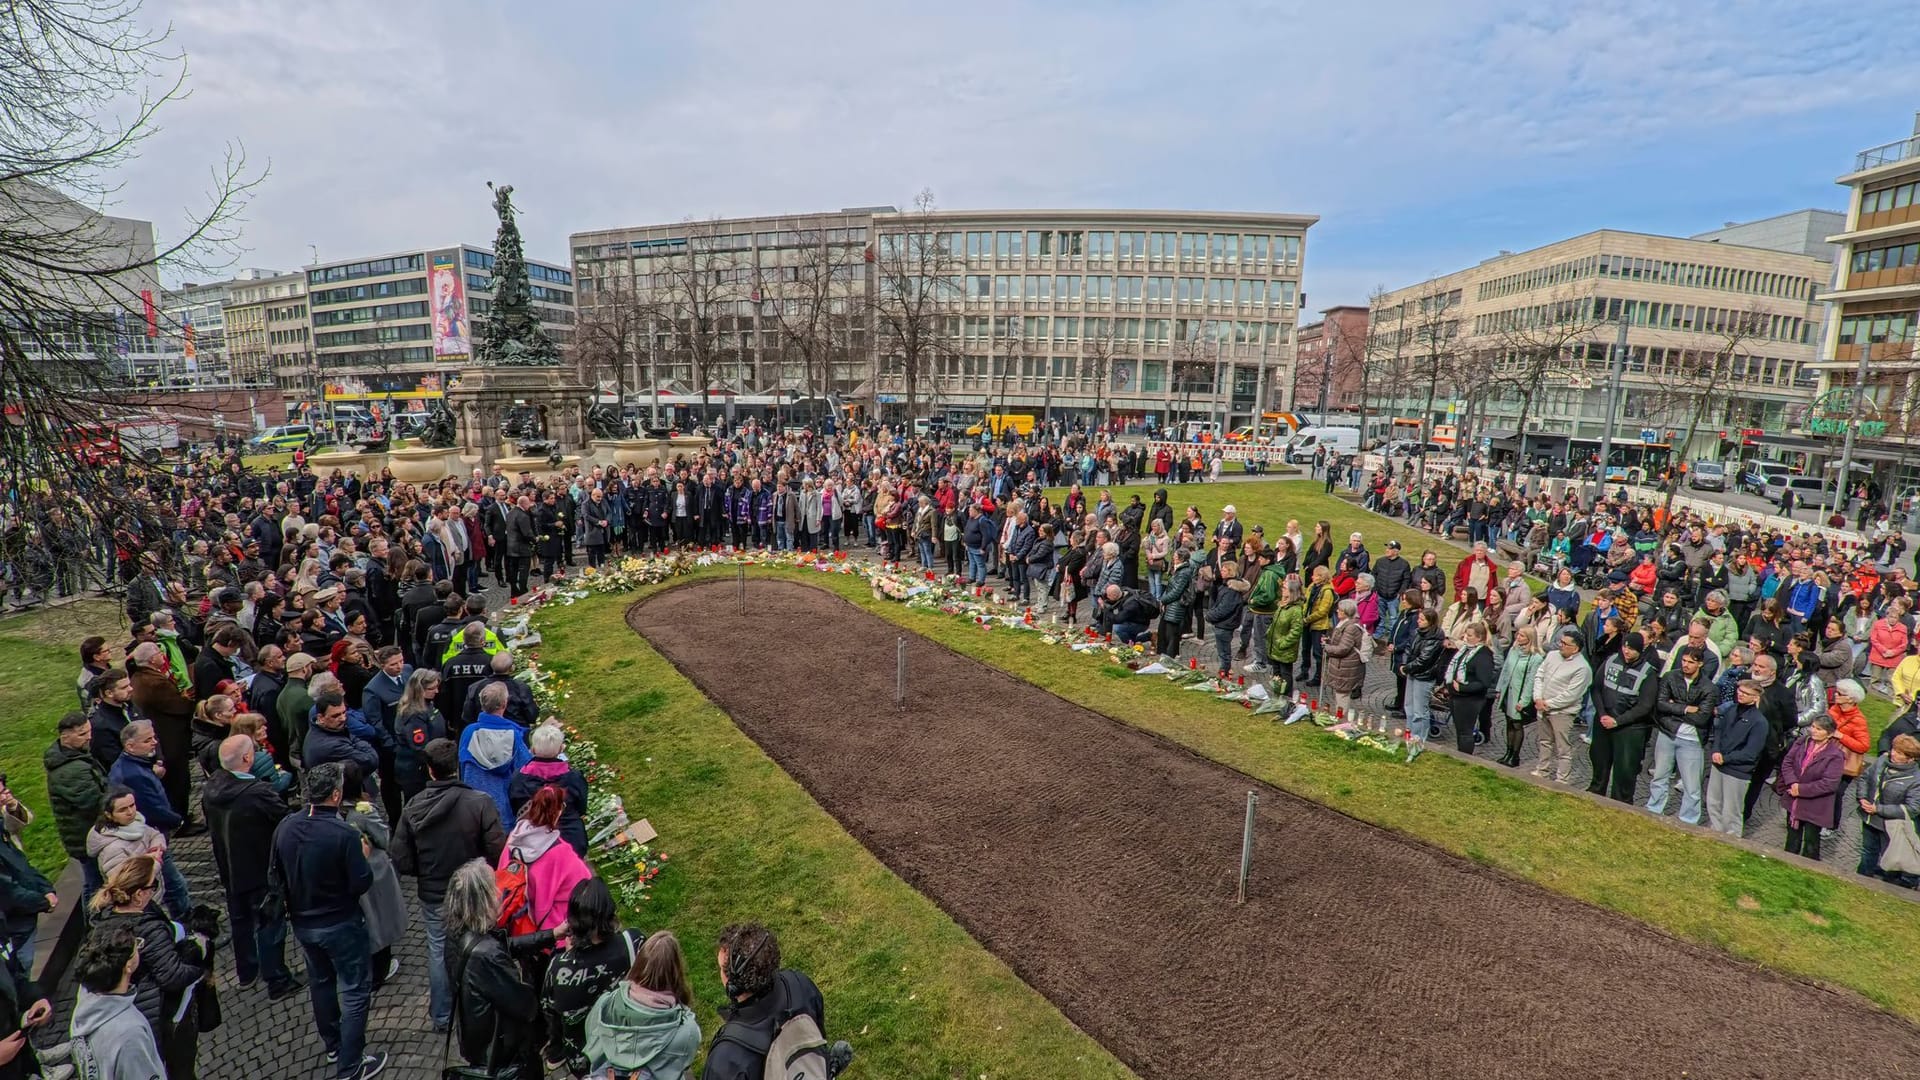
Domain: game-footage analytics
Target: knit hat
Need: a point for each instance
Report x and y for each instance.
(1635, 640)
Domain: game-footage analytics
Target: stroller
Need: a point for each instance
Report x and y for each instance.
(1589, 568)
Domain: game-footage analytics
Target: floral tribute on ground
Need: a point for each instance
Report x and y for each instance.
(986, 609)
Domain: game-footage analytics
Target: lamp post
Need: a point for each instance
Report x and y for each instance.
(1845, 479)
(1616, 362)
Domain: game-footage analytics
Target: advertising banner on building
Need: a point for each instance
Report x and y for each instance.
(153, 316)
(452, 337)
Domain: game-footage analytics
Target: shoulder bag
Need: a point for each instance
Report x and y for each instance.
(488, 1071)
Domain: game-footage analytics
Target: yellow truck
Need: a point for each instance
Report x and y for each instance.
(997, 424)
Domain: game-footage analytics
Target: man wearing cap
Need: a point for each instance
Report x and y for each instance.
(1391, 576)
(1229, 529)
(1628, 691)
(287, 725)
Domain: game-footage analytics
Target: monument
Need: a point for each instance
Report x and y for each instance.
(517, 366)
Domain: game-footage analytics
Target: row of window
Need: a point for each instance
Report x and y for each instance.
(1066, 289)
(1065, 328)
(414, 309)
(1649, 313)
(374, 335)
(287, 313)
(376, 291)
(399, 264)
(1877, 329)
(1658, 271)
(1890, 257)
(481, 260)
(1897, 197)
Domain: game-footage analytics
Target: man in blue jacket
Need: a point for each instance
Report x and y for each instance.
(492, 749)
(139, 770)
(320, 862)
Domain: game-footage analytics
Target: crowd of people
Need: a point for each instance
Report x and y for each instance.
(313, 676)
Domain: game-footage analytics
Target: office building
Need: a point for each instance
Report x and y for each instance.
(267, 333)
(1550, 320)
(1876, 308)
(194, 321)
(1143, 316)
(405, 322)
(1331, 370)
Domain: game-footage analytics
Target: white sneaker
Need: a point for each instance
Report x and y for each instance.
(1255, 668)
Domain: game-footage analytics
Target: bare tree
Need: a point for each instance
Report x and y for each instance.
(76, 285)
(916, 267)
(814, 300)
(1700, 380)
(611, 334)
(697, 294)
(1433, 349)
(1528, 349)
(1102, 348)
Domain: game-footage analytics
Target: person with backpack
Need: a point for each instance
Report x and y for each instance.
(496, 1010)
(1262, 603)
(772, 1014)
(643, 1027)
(538, 868)
(111, 1039)
(442, 829)
(598, 955)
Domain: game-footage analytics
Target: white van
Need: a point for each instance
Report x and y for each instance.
(1301, 447)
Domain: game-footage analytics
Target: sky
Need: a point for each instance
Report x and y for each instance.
(1425, 136)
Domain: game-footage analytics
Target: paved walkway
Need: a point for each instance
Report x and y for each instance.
(261, 1039)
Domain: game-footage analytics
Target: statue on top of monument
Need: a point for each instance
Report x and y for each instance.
(511, 335)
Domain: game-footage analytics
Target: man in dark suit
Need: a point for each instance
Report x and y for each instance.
(147, 592)
(521, 537)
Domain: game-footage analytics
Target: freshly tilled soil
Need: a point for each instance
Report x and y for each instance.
(1099, 862)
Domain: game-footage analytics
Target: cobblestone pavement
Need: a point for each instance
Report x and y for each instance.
(260, 1039)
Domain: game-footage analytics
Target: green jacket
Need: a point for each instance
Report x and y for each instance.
(1265, 597)
(1174, 592)
(625, 1036)
(177, 660)
(76, 788)
(292, 707)
(1722, 629)
(1283, 634)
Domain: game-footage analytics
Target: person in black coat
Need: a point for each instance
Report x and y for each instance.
(521, 708)
(761, 996)
(1471, 675)
(172, 963)
(546, 743)
(499, 1012)
(1626, 695)
(551, 530)
(242, 813)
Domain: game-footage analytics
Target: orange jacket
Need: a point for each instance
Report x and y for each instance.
(1849, 726)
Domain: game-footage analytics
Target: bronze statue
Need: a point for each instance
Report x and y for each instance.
(512, 336)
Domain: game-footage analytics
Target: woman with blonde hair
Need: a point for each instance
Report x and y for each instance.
(644, 1026)
(212, 721)
(173, 962)
(1513, 694)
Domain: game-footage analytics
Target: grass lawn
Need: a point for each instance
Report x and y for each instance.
(267, 461)
(1696, 888)
(39, 653)
(905, 984)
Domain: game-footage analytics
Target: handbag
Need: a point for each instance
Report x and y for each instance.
(1902, 853)
(489, 1071)
(1853, 764)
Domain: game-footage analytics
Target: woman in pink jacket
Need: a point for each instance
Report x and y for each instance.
(1887, 642)
(553, 868)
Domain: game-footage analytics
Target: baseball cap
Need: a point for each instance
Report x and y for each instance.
(300, 662)
(1394, 544)
(1228, 509)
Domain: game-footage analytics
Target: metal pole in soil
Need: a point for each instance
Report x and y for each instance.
(900, 672)
(743, 590)
(1246, 847)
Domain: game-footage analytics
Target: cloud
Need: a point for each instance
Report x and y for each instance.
(381, 120)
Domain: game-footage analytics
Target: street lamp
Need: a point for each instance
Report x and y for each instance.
(1615, 363)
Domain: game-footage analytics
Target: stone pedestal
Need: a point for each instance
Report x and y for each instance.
(346, 462)
(419, 464)
(483, 393)
(538, 466)
(621, 452)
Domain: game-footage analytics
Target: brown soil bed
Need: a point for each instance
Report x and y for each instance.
(1099, 861)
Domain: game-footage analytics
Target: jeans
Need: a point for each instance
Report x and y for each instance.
(259, 948)
(90, 880)
(1420, 708)
(783, 537)
(1153, 583)
(926, 552)
(1690, 758)
(1017, 581)
(1726, 813)
(339, 957)
(1130, 633)
(439, 994)
(1223, 646)
(976, 566)
(1253, 633)
(177, 897)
